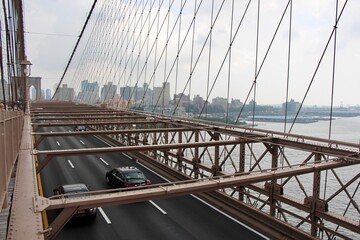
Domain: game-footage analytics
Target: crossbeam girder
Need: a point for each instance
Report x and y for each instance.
(174, 189)
(51, 153)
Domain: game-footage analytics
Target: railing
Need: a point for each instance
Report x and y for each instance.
(11, 124)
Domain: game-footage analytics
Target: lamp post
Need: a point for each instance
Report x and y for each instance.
(25, 72)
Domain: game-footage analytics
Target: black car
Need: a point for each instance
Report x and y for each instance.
(80, 128)
(126, 177)
(76, 188)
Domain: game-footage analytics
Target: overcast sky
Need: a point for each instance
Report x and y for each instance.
(52, 28)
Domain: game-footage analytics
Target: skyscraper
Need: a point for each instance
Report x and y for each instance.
(108, 92)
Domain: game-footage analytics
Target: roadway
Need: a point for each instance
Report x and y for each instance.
(184, 217)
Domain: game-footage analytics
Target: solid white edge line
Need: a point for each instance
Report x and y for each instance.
(72, 166)
(157, 206)
(104, 161)
(57, 142)
(104, 215)
(230, 217)
(82, 142)
(226, 215)
(206, 203)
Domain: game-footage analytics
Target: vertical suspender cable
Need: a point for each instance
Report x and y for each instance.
(165, 58)
(146, 63)
(332, 85)
(319, 62)
(256, 61)
(10, 56)
(177, 57)
(229, 68)
(155, 56)
(209, 58)
(287, 75)
(192, 55)
(288, 67)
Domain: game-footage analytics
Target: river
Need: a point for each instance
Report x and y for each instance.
(346, 129)
(342, 129)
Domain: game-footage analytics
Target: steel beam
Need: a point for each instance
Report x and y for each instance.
(51, 153)
(174, 189)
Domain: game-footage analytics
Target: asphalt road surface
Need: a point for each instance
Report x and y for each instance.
(185, 217)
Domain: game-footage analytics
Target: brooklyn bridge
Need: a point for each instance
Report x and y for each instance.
(139, 92)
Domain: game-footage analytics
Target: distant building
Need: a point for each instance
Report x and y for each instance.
(127, 93)
(161, 95)
(84, 85)
(219, 101)
(89, 92)
(65, 93)
(108, 92)
(252, 103)
(292, 106)
(235, 103)
(147, 94)
(198, 103)
(47, 94)
(181, 100)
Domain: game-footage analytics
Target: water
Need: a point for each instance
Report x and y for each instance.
(346, 129)
(343, 129)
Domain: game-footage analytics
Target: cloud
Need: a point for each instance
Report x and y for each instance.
(123, 57)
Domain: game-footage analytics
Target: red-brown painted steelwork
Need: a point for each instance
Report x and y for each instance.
(185, 149)
(200, 157)
(11, 123)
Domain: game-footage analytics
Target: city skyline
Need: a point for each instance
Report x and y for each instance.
(313, 23)
(94, 90)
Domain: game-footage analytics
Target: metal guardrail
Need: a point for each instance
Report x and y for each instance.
(11, 125)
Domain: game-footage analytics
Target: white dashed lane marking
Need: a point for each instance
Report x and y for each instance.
(71, 165)
(104, 161)
(127, 156)
(159, 208)
(104, 215)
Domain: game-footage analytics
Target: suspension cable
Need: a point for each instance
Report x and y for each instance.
(76, 45)
(318, 65)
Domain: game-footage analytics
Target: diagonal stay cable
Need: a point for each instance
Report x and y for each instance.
(77, 43)
(263, 61)
(225, 57)
(318, 65)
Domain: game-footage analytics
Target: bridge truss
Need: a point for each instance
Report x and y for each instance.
(280, 184)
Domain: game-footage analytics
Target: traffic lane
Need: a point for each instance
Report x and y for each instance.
(184, 218)
(204, 221)
(130, 221)
(143, 221)
(63, 170)
(88, 229)
(81, 171)
(167, 226)
(192, 213)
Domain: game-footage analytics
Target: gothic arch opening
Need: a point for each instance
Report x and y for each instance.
(36, 83)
